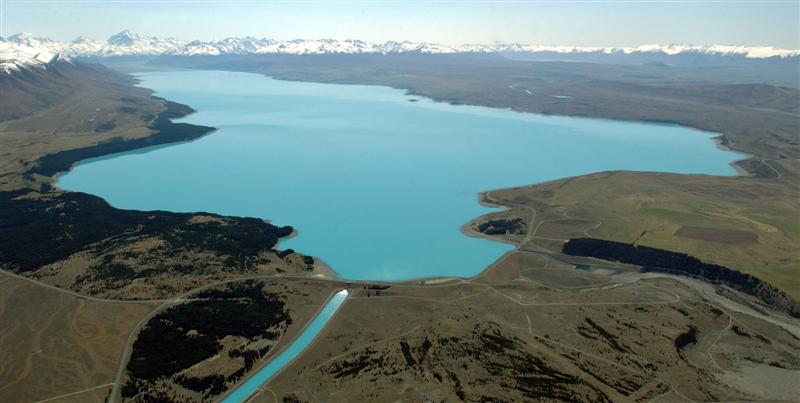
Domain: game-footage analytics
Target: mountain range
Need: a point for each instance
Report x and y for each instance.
(23, 49)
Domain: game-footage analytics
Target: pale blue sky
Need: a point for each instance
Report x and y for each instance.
(583, 23)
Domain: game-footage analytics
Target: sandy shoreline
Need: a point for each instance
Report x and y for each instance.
(322, 269)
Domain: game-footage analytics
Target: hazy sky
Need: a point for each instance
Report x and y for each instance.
(583, 23)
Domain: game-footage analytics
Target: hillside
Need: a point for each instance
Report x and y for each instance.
(64, 105)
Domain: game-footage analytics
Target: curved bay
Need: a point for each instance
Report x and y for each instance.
(377, 186)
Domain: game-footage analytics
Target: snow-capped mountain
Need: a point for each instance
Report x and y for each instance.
(23, 51)
(751, 52)
(26, 50)
(124, 43)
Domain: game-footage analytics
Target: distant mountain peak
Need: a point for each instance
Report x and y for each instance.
(27, 38)
(21, 36)
(124, 38)
(82, 39)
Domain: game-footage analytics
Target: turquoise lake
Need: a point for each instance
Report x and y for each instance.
(377, 186)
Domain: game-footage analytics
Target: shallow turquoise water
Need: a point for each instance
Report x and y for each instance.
(377, 186)
(251, 385)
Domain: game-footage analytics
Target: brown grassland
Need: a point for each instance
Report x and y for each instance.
(535, 326)
(84, 107)
(650, 209)
(54, 343)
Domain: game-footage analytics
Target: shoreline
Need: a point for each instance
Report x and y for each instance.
(484, 200)
(716, 137)
(322, 269)
(721, 142)
(165, 133)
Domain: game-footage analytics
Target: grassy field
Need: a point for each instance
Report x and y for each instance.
(58, 343)
(55, 343)
(653, 209)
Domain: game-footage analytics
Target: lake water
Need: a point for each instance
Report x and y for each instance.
(377, 186)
